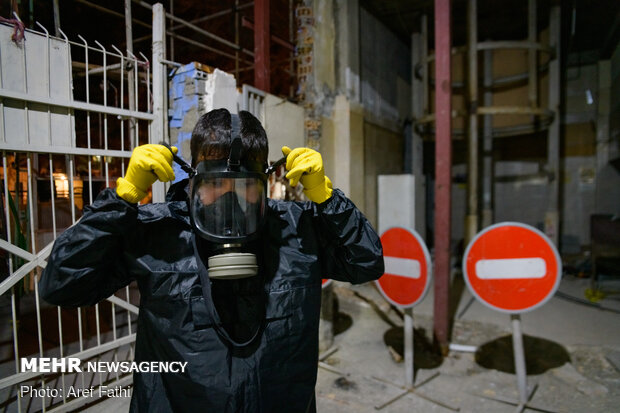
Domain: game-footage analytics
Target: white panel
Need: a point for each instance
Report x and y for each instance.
(284, 124)
(403, 267)
(511, 268)
(396, 201)
(39, 127)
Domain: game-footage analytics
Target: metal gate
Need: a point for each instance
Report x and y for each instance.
(71, 112)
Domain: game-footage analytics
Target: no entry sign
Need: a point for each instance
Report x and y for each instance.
(407, 267)
(512, 267)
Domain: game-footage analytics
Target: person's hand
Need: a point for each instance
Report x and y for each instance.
(305, 165)
(147, 164)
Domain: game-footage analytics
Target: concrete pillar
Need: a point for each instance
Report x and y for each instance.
(348, 47)
(349, 149)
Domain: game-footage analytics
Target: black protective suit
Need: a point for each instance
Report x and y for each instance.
(116, 242)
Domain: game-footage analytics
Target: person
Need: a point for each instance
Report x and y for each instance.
(248, 330)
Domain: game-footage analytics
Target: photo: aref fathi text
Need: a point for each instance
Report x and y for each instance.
(73, 391)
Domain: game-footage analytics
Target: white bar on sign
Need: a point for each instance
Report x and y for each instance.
(511, 268)
(403, 267)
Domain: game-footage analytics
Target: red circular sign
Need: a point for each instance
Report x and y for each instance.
(325, 282)
(512, 267)
(408, 268)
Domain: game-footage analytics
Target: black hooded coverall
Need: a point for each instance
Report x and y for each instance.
(116, 242)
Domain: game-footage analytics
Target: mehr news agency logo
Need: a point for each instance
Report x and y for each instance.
(74, 365)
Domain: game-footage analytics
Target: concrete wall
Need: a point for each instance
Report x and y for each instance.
(383, 155)
(385, 71)
(284, 124)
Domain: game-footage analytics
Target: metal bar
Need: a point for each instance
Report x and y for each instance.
(171, 63)
(531, 55)
(329, 368)
(63, 150)
(197, 29)
(39, 333)
(97, 69)
(82, 355)
(16, 276)
(261, 45)
(172, 30)
(517, 344)
(291, 39)
(122, 99)
(495, 83)
(512, 110)
(129, 320)
(13, 307)
(4, 93)
(124, 304)
(48, 75)
(215, 15)
(203, 46)
(236, 10)
(392, 400)
(130, 71)
(247, 23)
(112, 12)
(60, 340)
(409, 348)
(443, 174)
(159, 124)
(471, 220)
(15, 344)
(506, 44)
(51, 169)
(56, 17)
(552, 219)
(425, 92)
(105, 116)
(135, 99)
(487, 166)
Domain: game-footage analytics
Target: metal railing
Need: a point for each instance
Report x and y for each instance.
(51, 88)
(252, 100)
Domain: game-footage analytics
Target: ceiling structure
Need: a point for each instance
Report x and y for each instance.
(589, 27)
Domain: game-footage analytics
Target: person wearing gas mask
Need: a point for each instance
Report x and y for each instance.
(230, 281)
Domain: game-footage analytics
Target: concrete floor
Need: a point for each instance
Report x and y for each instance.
(358, 373)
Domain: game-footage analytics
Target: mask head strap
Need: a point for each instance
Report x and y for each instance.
(236, 145)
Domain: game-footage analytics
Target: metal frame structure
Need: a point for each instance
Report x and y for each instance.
(104, 345)
(542, 118)
(138, 114)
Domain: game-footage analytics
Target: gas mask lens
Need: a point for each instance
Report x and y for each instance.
(228, 208)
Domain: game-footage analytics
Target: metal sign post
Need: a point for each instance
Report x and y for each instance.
(408, 273)
(513, 268)
(519, 355)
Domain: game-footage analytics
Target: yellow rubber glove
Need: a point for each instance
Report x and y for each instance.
(146, 165)
(305, 165)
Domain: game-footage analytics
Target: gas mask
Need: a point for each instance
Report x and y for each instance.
(227, 206)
